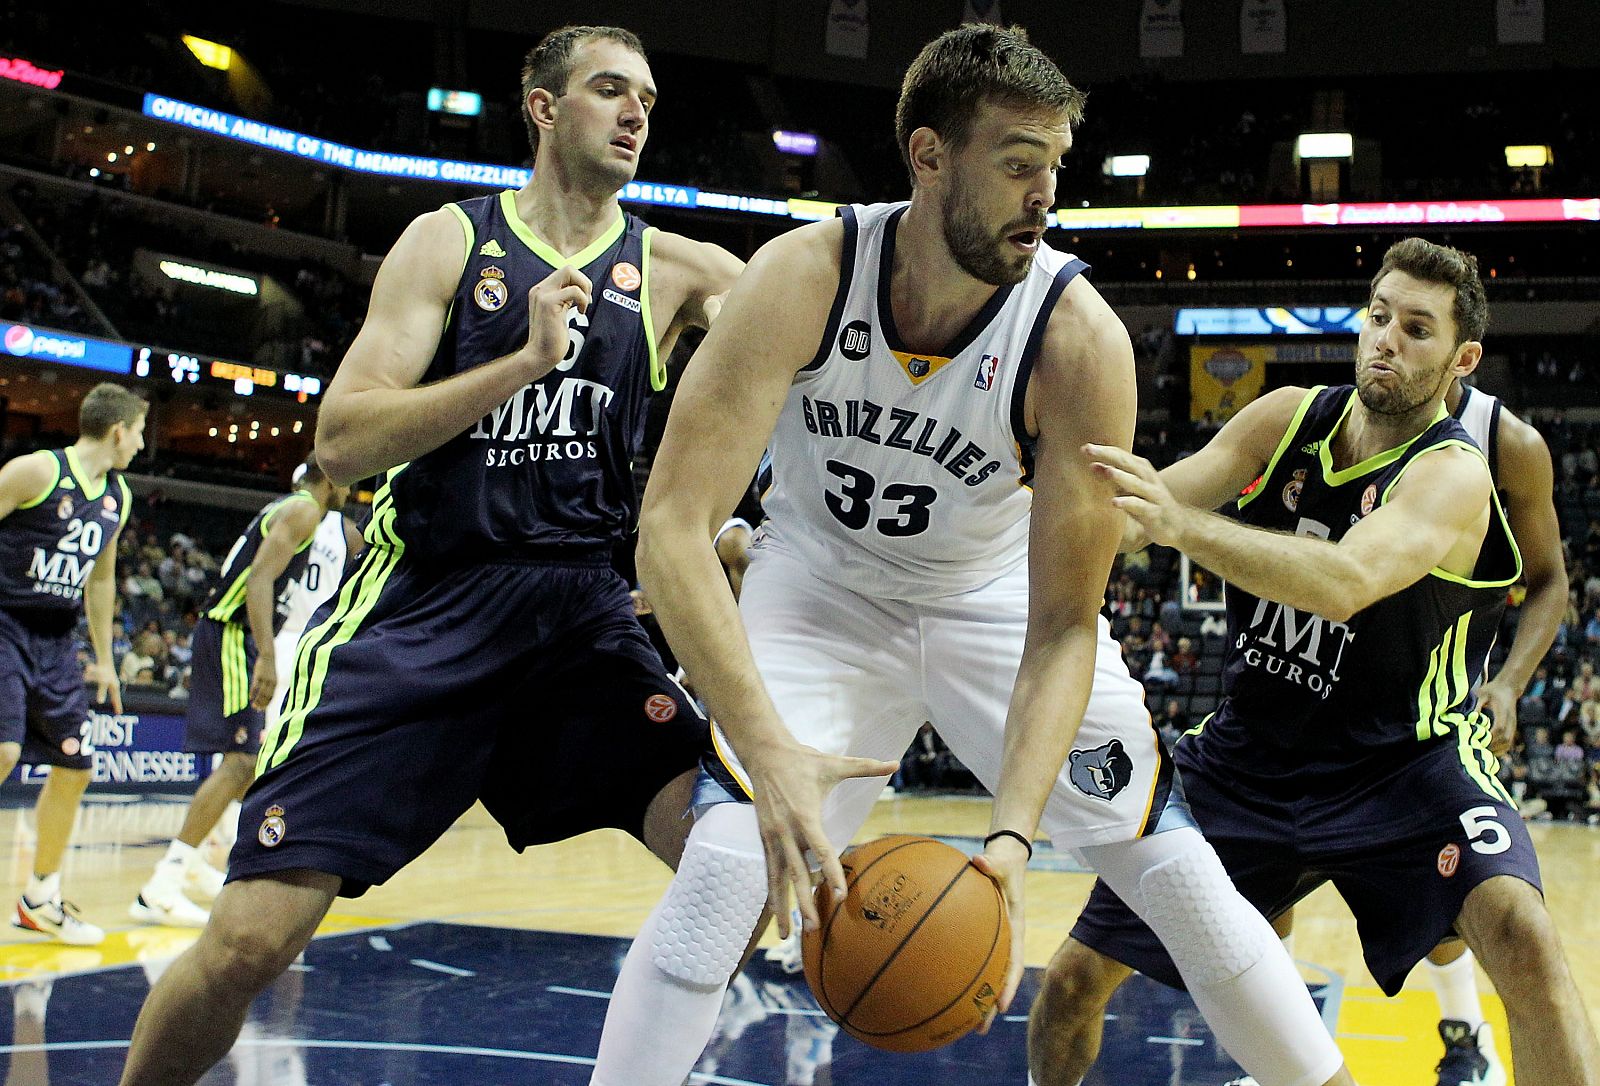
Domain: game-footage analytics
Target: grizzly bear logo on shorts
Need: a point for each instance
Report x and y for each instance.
(1101, 772)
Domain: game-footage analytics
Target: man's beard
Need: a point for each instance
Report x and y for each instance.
(978, 251)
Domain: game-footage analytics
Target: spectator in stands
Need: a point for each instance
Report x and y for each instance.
(141, 660)
(1173, 721)
(1215, 624)
(1159, 674)
(1184, 660)
(1568, 749)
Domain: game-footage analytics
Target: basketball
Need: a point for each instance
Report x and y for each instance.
(917, 955)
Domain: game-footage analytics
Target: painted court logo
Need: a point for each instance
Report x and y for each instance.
(660, 708)
(273, 827)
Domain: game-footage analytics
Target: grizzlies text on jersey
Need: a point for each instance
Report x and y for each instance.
(1305, 695)
(903, 474)
(550, 470)
(48, 545)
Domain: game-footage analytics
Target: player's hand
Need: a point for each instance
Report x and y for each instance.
(790, 782)
(263, 681)
(1006, 862)
(1500, 702)
(103, 677)
(1140, 492)
(548, 302)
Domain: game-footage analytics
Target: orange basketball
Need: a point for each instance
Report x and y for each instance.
(917, 955)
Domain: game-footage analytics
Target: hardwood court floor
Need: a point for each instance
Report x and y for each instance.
(603, 884)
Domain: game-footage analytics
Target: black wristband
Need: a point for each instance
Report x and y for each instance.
(1027, 844)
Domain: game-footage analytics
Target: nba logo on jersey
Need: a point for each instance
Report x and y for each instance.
(988, 369)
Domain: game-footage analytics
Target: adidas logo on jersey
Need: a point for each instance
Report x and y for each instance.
(491, 248)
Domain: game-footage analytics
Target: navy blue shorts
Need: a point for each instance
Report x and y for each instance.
(1403, 848)
(43, 703)
(220, 720)
(417, 692)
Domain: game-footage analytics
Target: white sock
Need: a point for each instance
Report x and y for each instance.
(43, 888)
(1456, 986)
(180, 854)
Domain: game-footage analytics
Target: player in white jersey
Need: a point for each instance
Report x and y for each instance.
(937, 549)
(1519, 461)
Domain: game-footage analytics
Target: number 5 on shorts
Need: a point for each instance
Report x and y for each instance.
(1485, 834)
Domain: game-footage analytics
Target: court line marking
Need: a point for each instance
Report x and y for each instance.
(1192, 1042)
(385, 1046)
(439, 967)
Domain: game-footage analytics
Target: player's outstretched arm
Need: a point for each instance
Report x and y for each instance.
(693, 278)
(289, 527)
(374, 416)
(1082, 391)
(1442, 496)
(722, 417)
(1528, 480)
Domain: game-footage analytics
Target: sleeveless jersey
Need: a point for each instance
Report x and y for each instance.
(49, 545)
(1305, 695)
(1479, 414)
(901, 474)
(549, 472)
(226, 602)
(298, 600)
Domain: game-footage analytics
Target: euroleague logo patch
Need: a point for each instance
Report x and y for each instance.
(1449, 859)
(660, 708)
(273, 827)
(625, 275)
(1369, 498)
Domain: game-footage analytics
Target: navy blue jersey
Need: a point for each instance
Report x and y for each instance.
(226, 602)
(550, 470)
(1306, 695)
(49, 545)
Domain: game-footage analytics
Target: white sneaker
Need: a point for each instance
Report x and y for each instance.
(57, 919)
(203, 880)
(160, 903)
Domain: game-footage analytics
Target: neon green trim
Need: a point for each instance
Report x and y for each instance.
(546, 252)
(658, 368)
(55, 464)
(466, 228)
(312, 662)
(272, 511)
(1371, 463)
(1283, 445)
(235, 670)
(1476, 757)
(127, 502)
(228, 603)
(1499, 518)
(78, 473)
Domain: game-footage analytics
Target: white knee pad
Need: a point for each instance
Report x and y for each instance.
(1211, 931)
(704, 923)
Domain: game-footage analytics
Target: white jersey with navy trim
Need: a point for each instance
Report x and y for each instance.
(906, 475)
(1479, 414)
(302, 596)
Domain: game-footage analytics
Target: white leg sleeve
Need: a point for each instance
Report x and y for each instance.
(665, 1003)
(1234, 966)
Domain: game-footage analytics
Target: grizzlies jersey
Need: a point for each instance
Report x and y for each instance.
(48, 546)
(1479, 414)
(226, 603)
(1306, 695)
(549, 472)
(299, 599)
(901, 474)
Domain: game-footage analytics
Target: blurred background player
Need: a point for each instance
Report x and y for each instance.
(237, 672)
(61, 512)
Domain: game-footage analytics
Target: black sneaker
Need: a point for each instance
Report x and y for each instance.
(1465, 1062)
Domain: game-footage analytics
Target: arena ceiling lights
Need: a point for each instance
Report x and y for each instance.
(211, 54)
(1126, 165)
(1528, 154)
(1324, 145)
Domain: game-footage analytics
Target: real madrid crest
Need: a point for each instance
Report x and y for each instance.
(64, 507)
(1291, 492)
(490, 293)
(273, 827)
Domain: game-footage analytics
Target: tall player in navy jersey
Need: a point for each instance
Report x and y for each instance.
(234, 678)
(499, 387)
(1367, 567)
(61, 513)
(924, 376)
